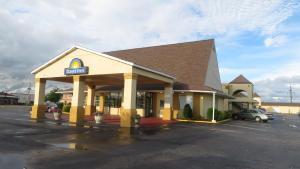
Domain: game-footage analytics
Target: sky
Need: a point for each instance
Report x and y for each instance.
(257, 38)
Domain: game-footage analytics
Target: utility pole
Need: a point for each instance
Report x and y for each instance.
(28, 93)
(291, 93)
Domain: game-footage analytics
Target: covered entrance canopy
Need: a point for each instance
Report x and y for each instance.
(86, 68)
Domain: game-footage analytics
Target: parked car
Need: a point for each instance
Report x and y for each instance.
(252, 114)
(269, 114)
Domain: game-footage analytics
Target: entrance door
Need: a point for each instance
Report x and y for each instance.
(148, 105)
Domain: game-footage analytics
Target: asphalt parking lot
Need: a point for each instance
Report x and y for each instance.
(234, 144)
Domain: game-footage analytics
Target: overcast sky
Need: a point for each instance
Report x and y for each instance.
(257, 38)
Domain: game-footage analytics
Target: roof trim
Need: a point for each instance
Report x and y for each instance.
(101, 54)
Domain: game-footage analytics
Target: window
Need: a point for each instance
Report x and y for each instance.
(113, 100)
(97, 101)
(140, 100)
(161, 103)
(185, 99)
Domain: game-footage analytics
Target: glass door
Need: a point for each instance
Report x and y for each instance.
(149, 105)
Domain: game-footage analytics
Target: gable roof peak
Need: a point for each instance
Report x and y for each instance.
(241, 80)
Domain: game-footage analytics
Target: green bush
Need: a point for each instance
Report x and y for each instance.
(228, 114)
(66, 108)
(187, 111)
(180, 115)
(60, 105)
(221, 116)
(210, 113)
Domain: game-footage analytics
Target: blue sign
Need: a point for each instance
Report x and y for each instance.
(76, 67)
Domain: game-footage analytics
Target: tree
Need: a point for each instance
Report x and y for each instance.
(187, 111)
(52, 96)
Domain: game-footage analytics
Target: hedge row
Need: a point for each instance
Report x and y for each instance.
(219, 115)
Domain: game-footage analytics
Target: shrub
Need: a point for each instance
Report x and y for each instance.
(187, 111)
(60, 105)
(180, 115)
(66, 108)
(221, 116)
(228, 114)
(210, 113)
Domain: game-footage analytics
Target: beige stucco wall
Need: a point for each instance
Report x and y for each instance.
(207, 103)
(283, 109)
(212, 78)
(104, 65)
(258, 99)
(246, 87)
(220, 104)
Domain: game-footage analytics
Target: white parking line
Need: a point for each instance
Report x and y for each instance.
(293, 125)
(17, 119)
(246, 127)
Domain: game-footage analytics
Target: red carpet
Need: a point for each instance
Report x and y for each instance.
(114, 119)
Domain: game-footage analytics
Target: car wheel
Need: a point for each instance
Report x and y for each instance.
(258, 119)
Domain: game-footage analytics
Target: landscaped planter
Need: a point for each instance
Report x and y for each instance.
(137, 120)
(57, 115)
(98, 118)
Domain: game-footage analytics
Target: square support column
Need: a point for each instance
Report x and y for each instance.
(77, 110)
(39, 107)
(168, 103)
(101, 103)
(129, 103)
(90, 101)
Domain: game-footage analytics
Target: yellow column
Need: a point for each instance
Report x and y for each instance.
(90, 100)
(39, 108)
(101, 103)
(129, 103)
(77, 110)
(168, 105)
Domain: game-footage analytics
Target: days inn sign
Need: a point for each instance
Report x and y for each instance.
(76, 67)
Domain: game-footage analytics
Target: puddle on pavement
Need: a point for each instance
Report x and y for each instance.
(99, 138)
(72, 146)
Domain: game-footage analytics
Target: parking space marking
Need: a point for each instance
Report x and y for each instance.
(252, 124)
(17, 119)
(246, 127)
(293, 125)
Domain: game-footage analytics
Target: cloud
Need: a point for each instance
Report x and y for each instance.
(32, 32)
(278, 88)
(275, 41)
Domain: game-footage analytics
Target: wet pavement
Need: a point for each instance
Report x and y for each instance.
(236, 144)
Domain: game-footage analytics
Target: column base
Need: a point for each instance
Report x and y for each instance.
(167, 114)
(76, 115)
(214, 121)
(38, 112)
(126, 117)
(89, 110)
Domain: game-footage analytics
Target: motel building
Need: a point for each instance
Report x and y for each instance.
(152, 81)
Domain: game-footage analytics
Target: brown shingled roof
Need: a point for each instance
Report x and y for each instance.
(241, 80)
(188, 61)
